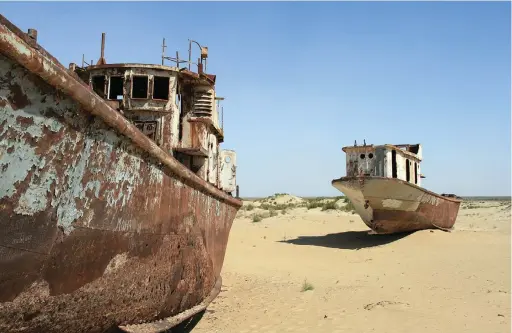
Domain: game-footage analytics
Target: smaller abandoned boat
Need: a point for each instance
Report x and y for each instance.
(384, 184)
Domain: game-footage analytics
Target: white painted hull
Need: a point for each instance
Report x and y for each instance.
(388, 205)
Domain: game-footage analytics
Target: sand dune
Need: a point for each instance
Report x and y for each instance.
(427, 281)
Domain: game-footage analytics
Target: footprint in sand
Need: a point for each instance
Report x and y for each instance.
(386, 304)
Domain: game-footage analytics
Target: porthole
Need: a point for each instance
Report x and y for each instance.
(362, 156)
(227, 159)
(370, 155)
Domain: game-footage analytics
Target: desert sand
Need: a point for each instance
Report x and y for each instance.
(314, 270)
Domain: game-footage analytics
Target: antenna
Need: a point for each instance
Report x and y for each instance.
(163, 51)
(177, 60)
(201, 62)
(204, 53)
(85, 62)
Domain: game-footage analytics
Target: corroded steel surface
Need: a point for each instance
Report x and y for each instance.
(388, 205)
(59, 77)
(167, 323)
(98, 225)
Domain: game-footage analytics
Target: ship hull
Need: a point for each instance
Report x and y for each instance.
(99, 227)
(388, 205)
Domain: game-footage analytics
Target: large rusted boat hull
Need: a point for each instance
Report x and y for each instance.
(388, 205)
(99, 227)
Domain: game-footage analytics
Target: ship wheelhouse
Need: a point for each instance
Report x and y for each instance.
(391, 161)
(176, 108)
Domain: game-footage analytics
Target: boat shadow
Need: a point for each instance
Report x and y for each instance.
(347, 240)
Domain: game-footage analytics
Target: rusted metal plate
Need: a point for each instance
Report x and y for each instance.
(99, 226)
(167, 323)
(148, 128)
(199, 136)
(218, 132)
(360, 160)
(193, 151)
(388, 205)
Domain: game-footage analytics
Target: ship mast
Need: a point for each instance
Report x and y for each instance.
(201, 62)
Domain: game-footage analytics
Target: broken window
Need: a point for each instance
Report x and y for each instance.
(161, 87)
(180, 115)
(393, 163)
(184, 159)
(115, 91)
(197, 163)
(98, 85)
(407, 170)
(140, 87)
(415, 173)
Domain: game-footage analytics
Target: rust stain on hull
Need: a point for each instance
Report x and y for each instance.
(167, 323)
(388, 205)
(99, 226)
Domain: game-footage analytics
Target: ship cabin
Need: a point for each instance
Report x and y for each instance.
(391, 161)
(175, 107)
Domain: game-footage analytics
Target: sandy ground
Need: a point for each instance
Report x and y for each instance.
(427, 281)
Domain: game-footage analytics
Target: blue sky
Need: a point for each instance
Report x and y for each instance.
(303, 79)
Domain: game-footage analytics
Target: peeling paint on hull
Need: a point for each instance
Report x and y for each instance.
(388, 205)
(98, 228)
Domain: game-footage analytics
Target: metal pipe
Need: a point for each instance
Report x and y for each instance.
(101, 60)
(189, 53)
(196, 43)
(103, 45)
(199, 66)
(200, 47)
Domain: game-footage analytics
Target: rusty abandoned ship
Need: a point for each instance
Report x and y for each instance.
(116, 201)
(384, 184)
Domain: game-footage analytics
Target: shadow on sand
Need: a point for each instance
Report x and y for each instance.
(348, 240)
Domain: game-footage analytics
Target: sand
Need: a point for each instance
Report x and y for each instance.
(427, 281)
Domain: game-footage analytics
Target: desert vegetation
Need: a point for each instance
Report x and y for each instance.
(258, 209)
